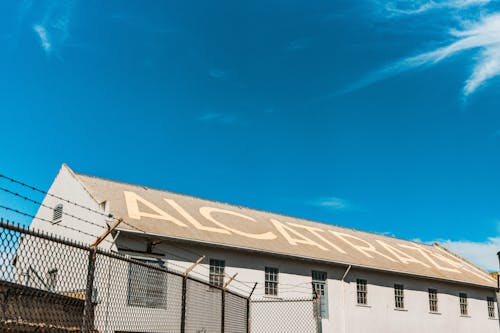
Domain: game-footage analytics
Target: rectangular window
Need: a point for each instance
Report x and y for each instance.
(491, 307)
(464, 311)
(217, 268)
(147, 287)
(52, 279)
(271, 281)
(320, 289)
(362, 291)
(433, 300)
(399, 297)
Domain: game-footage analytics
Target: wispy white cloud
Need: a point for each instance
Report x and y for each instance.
(412, 7)
(482, 35)
(217, 117)
(298, 44)
(332, 203)
(483, 254)
(42, 34)
(52, 28)
(218, 73)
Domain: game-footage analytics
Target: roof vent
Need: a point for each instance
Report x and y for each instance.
(57, 214)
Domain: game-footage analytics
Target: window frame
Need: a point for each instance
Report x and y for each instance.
(361, 292)
(271, 281)
(217, 268)
(320, 286)
(399, 296)
(433, 300)
(52, 279)
(490, 303)
(464, 304)
(155, 285)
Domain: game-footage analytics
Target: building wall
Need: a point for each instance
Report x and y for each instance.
(344, 314)
(36, 257)
(66, 186)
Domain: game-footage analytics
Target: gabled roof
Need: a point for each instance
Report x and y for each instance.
(187, 218)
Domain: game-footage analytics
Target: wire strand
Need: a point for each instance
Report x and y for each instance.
(51, 208)
(33, 188)
(36, 189)
(45, 220)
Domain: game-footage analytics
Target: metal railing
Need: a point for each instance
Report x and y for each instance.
(50, 284)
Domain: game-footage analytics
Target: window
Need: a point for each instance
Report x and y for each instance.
(491, 307)
(464, 311)
(217, 272)
(433, 300)
(320, 288)
(399, 297)
(147, 287)
(362, 291)
(271, 281)
(57, 213)
(52, 279)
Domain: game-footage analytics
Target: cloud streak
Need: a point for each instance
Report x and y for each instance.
(217, 73)
(482, 36)
(419, 7)
(42, 34)
(298, 44)
(331, 203)
(52, 29)
(216, 117)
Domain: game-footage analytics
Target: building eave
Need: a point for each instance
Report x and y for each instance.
(303, 258)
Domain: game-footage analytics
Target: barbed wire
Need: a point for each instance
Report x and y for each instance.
(36, 189)
(48, 207)
(207, 267)
(109, 215)
(33, 188)
(17, 211)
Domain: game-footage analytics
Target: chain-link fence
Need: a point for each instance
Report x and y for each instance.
(49, 284)
(295, 315)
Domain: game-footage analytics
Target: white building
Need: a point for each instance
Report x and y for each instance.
(368, 282)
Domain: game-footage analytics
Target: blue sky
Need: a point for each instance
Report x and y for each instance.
(377, 115)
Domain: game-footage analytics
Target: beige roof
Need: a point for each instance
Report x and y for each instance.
(183, 217)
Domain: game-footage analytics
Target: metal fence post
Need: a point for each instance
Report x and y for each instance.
(317, 307)
(248, 315)
(88, 310)
(223, 310)
(184, 298)
(248, 307)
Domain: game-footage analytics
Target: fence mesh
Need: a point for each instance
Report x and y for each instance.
(235, 320)
(285, 315)
(48, 284)
(205, 315)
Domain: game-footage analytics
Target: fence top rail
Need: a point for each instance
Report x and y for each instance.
(71, 243)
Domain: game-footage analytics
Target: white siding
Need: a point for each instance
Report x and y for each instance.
(345, 315)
